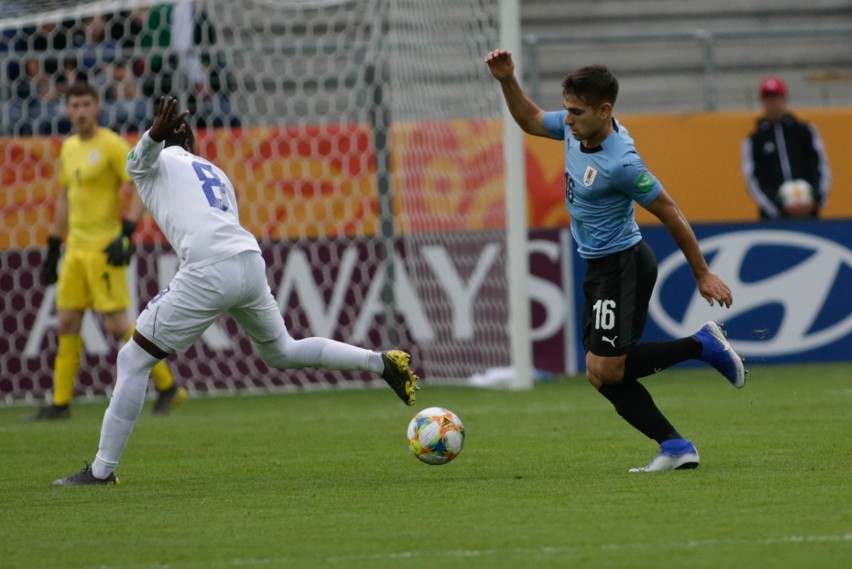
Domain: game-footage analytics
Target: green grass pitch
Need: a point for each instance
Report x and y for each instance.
(324, 479)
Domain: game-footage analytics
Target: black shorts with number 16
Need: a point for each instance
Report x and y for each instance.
(617, 290)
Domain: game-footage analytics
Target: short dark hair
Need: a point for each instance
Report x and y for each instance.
(593, 84)
(181, 139)
(81, 89)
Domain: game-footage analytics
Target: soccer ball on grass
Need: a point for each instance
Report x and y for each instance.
(436, 435)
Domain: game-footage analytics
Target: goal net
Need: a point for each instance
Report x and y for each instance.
(364, 138)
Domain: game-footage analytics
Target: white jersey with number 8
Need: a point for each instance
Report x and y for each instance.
(192, 201)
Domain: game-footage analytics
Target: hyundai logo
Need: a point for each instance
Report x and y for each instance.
(801, 290)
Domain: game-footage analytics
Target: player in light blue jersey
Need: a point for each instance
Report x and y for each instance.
(604, 177)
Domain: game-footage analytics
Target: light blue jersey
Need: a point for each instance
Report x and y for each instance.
(601, 185)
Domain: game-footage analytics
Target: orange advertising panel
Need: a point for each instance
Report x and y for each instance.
(303, 182)
(449, 175)
(291, 183)
(320, 181)
(697, 159)
(297, 183)
(29, 169)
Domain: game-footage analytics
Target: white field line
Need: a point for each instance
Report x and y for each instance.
(433, 554)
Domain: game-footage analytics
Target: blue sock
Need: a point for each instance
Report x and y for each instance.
(676, 446)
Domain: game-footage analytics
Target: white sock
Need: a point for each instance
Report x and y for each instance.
(286, 353)
(376, 364)
(134, 367)
(115, 433)
(331, 354)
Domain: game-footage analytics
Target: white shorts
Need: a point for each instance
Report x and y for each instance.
(180, 313)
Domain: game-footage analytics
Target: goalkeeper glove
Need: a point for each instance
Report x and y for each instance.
(119, 251)
(49, 273)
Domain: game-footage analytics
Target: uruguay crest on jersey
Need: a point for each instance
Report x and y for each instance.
(589, 176)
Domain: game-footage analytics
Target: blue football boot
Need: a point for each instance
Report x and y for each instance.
(716, 351)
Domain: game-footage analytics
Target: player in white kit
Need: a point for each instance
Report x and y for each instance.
(221, 271)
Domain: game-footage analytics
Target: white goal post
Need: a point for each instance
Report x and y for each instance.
(372, 155)
(516, 211)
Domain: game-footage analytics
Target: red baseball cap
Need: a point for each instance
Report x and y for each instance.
(773, 86)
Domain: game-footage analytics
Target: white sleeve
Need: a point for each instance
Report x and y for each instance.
(143, 158)
(824, 168)
(752, 184)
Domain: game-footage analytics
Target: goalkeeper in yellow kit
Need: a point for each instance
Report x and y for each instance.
(97, 250)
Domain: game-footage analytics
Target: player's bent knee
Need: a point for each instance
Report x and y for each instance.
(69, 322)
(117, 324)
(593, 379)
(126, 362)
(277, 353)
(602, 370)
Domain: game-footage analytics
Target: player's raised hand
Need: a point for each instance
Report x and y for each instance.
(500, 64)
(167, 123)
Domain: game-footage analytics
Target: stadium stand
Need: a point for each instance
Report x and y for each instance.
(667, 75)
(655, 46)
(125, 54)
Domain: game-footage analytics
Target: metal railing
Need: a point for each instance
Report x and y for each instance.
(707, 40)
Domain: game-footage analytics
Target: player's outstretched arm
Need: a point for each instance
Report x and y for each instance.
(710, 286)
(526, 113)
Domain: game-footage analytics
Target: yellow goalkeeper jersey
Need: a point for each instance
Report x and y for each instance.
(93, 171)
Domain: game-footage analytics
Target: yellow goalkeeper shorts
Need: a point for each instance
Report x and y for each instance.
(87, 281)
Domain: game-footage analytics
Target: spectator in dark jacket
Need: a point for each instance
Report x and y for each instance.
(784, 161)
